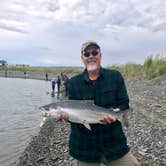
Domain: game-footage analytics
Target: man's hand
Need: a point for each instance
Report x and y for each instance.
(110, 118)
(63, 116)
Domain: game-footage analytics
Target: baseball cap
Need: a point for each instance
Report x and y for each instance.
(89, 43)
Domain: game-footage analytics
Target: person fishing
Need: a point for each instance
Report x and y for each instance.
(58, 84)
(104, 143)
(46, 75)
(65, 84)
(53, 82)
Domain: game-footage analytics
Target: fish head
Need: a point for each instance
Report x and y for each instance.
(48, 114)
(48, 107)
(55, 112)
(52, 112)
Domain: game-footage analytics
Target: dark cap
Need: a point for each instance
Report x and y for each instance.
(89, 43)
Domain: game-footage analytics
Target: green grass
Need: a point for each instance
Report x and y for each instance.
(152, 67)
(129, 70)
(44, 69)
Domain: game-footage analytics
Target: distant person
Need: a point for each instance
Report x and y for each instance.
(62, 76)
(46, 76)
(5, 73)
(58, 84)
(65, 84)
(53, 82)
(25, 74)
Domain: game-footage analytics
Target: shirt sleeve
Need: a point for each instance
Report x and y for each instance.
(122, 96)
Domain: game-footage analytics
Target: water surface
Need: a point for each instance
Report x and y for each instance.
(19, 115)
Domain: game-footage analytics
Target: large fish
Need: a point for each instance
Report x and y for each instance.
(82, 111)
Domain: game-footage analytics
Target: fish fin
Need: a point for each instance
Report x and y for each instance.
(41, 124)
(43, 121)
(125, 121)
(87, 126)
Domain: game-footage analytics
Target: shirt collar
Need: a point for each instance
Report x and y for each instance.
(101, 74)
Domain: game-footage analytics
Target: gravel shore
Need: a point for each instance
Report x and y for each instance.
(146, 134)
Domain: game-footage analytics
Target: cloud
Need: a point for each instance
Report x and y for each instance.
(12, 26)
(53, 31)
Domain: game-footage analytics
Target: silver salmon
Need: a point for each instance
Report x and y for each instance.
(82, 111)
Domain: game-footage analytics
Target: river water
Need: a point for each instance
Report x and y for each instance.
(19, 115)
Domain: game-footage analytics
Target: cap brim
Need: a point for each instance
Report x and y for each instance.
(91, 46)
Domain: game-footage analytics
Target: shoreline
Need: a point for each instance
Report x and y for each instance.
(31, 75)
(28, 75)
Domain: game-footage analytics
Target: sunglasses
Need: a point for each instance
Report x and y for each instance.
(93, 53)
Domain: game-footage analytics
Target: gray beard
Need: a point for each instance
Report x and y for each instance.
(91, 67)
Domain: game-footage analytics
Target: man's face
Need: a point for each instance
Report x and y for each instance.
(91, 58)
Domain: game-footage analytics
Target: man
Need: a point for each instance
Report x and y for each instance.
(105, 143)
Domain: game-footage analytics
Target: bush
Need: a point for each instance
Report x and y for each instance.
(154, 67)
(129, 70)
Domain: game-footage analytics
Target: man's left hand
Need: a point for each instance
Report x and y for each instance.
(110, 118)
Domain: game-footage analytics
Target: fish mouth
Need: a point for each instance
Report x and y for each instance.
(45, 114)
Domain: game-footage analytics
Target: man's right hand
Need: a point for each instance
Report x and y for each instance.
(108, 119)
(63, 116)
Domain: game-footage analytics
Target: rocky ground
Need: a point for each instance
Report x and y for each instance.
(146, 134)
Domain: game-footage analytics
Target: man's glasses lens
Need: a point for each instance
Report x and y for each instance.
(94, 53)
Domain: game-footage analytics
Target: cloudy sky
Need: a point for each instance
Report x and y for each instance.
(51, 32)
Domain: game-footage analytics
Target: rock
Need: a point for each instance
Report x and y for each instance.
(41, 158)
(146, 135)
